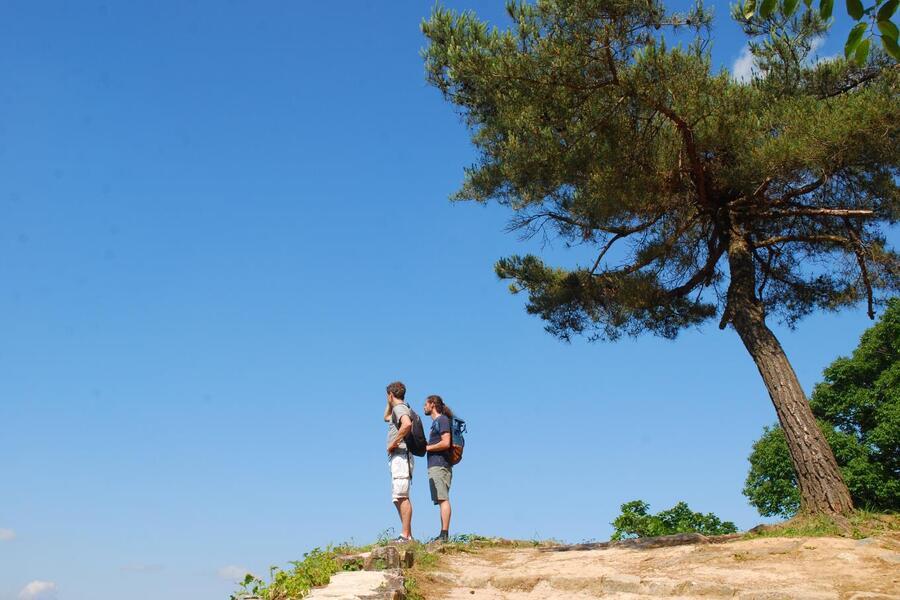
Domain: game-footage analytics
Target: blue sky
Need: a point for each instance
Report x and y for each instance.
(224, 228)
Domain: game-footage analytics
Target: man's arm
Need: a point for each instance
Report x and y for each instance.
(405, 426)
(442, 445)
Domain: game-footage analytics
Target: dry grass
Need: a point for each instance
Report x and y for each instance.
(861, 524)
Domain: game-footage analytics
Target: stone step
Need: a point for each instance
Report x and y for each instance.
(361, 585)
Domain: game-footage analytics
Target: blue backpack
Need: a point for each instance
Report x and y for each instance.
(457, 440)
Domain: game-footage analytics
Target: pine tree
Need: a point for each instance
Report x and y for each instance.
(702, 196)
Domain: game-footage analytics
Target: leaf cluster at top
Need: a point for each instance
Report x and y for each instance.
(635, 521)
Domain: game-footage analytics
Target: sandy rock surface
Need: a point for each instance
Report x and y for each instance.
(756, 569)
(360, 585)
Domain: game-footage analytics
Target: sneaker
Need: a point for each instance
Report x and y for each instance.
(401, 540)
(441, 538)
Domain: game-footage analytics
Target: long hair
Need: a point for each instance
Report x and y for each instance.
(440, 406)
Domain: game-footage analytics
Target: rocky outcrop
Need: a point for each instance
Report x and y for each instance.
(663, 541)
(362, 585)
(679, 567)
(379, 559)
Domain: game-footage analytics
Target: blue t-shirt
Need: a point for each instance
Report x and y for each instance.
(440, 426)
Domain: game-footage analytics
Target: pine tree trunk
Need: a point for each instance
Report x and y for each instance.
(822, 489)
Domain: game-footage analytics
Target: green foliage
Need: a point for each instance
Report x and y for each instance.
(858, 408)
(878, 14)
(861, 524)
(314, 570)
(771, 485)
(594, 129)
(635, 522)
(411, 587)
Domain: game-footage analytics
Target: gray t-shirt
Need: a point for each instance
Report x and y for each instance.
(394, 424)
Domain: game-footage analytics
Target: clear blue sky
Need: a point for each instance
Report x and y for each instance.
(224, 228)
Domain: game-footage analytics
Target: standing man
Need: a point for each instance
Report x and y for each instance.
(399, 459)
(440, 471)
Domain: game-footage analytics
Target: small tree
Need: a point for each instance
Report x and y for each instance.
(636, 521)
(702, 196)
(858, 407)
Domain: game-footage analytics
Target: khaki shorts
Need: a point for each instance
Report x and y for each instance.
(401, 465)
(439, 479)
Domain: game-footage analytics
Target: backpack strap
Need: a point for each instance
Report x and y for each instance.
(396, 424)
(450, 449)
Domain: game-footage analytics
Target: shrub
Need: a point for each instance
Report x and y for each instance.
(636, 522)
(315, 569)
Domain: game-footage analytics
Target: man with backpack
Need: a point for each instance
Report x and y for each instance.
(401, 433)
(440, 460)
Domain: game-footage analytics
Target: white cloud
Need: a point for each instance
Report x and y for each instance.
(233, 573)
(38, 590)
(744, 67)
(7, 535)
(814, 46)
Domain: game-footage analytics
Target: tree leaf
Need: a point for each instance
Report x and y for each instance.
(825, 8)
(789, 7)
(750, 9)
(855, 9)
(888, 30)
(854, 39)
(888, 10)
(862, 51)
(891, 46)
(767, 8)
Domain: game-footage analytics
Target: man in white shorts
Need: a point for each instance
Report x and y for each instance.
(400, 460)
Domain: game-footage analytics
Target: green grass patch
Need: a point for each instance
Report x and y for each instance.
(318, 565)
(296, 581)
(411, 587)
(861, 524)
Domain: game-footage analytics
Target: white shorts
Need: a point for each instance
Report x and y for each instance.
(401, 465)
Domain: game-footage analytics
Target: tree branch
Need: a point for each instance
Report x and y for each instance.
(809, 239)
(859, 250)
(702, 275)
(667, 244)
(606, 247)
(688, 136)
(766, 266)
(801, 191)
(853, 83)
(610, 62)
(818, 212)
(521, 222)
(762, 187)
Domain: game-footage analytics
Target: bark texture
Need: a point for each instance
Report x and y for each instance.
(822, 489)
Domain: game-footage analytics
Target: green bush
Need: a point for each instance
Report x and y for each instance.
(858, 409)
(636, 522)
(315, 569)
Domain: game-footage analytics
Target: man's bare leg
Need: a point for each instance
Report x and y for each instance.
(445, 515)
(404, 509)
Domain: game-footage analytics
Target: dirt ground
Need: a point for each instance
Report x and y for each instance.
(821, 568)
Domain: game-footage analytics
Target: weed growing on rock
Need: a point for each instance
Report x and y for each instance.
(314, 570)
